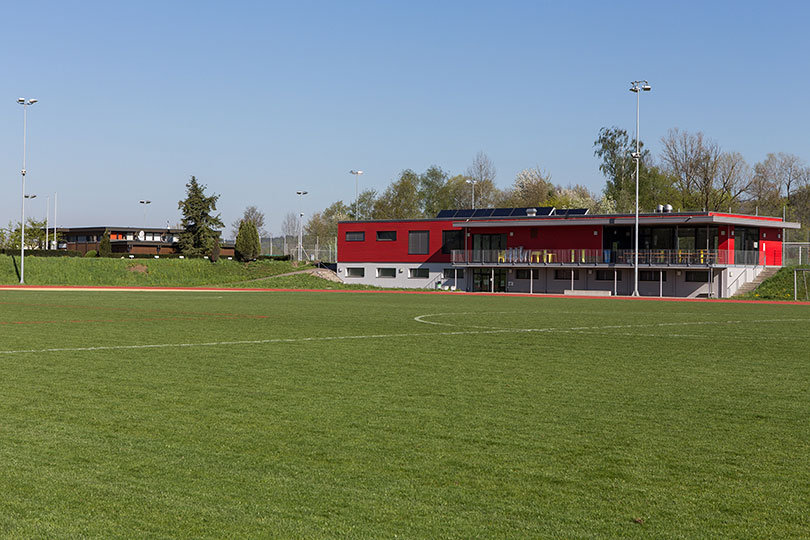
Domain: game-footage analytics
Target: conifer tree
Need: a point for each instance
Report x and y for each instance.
(248, 245)
(199, 233)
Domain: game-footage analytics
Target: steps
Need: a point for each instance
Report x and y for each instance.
(752, 285)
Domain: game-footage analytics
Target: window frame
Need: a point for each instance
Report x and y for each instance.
(378, 239)
(362, 235)
(415, 242)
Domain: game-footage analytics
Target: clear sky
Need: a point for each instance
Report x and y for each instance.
(260, 99)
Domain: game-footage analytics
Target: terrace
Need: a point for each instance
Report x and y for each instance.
(653, 258)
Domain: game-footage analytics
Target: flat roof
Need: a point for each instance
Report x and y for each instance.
(652, 218)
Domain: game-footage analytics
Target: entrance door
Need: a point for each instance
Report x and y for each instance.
(482, 280)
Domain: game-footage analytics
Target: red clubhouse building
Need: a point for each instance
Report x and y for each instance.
(546, 250)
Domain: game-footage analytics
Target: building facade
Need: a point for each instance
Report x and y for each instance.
(126, 240)
(545, 250)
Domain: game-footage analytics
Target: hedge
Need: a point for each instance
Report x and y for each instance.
(42, 252)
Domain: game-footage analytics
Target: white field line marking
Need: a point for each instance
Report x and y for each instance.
(582, 329)
(421, 319)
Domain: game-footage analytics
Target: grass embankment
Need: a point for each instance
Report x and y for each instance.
(778, 287)
(71, 271)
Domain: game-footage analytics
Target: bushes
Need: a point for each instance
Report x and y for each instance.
(41, 252)
(104, 246)
(91, 253)
(248, 244)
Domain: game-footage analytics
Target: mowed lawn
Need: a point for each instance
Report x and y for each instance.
(377, 415)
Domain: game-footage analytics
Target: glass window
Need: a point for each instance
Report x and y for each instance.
(355, 272)
(386, 272)
(452, 240)
(607, 275)
(450, 273)
(562, 274)
(523, 273)
(418, 242)
(697, 276)
(386, 236)
(651, 275)
(355, 236)
(418, 273)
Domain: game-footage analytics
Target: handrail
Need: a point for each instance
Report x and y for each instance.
(577, 256)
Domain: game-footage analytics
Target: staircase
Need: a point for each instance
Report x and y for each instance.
(752, 285)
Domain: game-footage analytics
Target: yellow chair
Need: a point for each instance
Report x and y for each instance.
(535, 256)
(501, 256)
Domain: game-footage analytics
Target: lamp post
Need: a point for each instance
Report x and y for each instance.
(144, 202)
(356, 192)
(25, 103)
(637, 87)
(300, 226)
(472, 182)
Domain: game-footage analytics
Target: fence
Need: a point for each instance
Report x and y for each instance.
(797, 253)
(656, 257)
(314, 248)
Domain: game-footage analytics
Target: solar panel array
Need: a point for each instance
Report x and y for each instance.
(541, 211)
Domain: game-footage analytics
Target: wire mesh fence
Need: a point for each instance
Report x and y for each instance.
(797, 253)
(313, 247)
(801, 280)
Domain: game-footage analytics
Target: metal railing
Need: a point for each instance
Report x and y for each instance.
(646, 257)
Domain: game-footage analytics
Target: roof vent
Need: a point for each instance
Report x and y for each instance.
(531, 212)
(668, 208)
(659, 208)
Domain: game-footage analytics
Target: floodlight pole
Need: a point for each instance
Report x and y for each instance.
(25, 103)
(356, 193)
(472, 182)
(637, 87)
(300, 226)
(144, 203)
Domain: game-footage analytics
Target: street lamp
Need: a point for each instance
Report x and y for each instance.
(356, 192)
(300, 226)
(637, 87)
(25, 103)
(472, 182)
(144, 202)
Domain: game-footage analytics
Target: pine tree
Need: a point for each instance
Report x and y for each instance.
(248, 245)
(199, 233)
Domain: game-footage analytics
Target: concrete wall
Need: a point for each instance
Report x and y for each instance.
(402, 275)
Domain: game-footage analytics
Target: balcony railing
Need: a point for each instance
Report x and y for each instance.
(647, 257)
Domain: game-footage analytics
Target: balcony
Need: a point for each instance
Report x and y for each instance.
(523, 257)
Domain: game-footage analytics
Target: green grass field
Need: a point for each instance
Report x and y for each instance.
(376, 415)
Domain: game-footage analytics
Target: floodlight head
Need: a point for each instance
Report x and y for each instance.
(634, 89)
(20, 100)
(355, 172)
(32, 101)
(646, 87)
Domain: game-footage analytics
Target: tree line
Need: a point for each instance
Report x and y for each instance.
(692, 172)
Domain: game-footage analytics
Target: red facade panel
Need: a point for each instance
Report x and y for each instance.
(372, 249)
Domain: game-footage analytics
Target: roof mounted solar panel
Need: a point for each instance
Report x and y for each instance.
(465, 213)
(502, 212)
(483, 212)
(446, 213)
(545, 210)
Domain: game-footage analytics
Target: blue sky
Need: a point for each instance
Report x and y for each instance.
(260, 99)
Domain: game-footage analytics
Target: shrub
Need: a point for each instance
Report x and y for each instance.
(42, 252)
(215, 251)
(91, 253)
(248, 245)
(104, 246)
